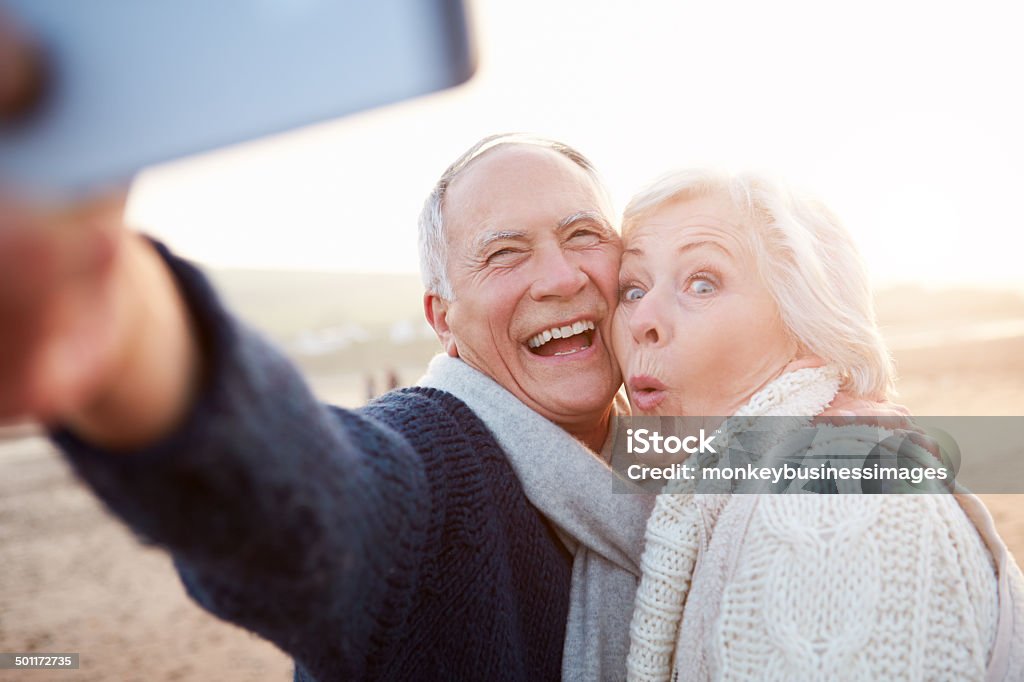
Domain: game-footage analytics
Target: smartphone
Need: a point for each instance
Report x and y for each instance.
(128, 83)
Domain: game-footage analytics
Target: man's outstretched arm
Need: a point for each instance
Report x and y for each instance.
(300, 522)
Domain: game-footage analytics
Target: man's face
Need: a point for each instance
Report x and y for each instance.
(533, 263)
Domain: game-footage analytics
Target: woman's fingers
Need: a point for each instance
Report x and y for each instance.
(847, 411)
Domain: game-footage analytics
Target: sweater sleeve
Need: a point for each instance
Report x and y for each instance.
(304, 523)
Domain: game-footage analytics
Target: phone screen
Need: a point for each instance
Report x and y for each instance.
(129, 83)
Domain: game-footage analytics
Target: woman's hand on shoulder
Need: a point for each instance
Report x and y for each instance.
(847, 410)
(847, 406)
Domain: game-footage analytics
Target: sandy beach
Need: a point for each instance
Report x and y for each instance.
(72, 579)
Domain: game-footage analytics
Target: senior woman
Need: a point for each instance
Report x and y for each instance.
(739, 298)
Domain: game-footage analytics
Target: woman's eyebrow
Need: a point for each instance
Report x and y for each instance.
(695, 245)
(635, 251)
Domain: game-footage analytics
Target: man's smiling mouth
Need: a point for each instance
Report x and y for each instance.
(563, 340)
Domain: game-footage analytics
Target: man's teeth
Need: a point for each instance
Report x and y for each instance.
(560, 333)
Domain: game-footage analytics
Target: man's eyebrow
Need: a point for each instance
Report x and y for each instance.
(594, 217)
(586, 216)
(489, 238)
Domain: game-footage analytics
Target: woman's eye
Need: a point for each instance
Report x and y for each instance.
(632, 293)
(702, 287)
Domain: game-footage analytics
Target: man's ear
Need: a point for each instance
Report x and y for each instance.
(435, 309)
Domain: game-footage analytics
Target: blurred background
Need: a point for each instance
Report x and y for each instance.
(904, 117)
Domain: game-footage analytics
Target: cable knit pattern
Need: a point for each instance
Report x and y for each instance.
(392, 542)
(819, 587)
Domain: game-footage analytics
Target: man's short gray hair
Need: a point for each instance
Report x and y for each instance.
(433, 243)
(808, 262)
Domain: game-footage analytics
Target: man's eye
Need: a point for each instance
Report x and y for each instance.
(501, 254)
(585, 237)
(702, 287)
(631, 293)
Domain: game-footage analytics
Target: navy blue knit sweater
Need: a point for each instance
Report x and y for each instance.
(390, 542)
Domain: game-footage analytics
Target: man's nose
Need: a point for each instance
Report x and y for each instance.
(647, 321)
(557, 276)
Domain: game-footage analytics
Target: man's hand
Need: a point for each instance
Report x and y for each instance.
(93, 333)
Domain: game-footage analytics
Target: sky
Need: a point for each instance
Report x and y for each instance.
(904, 117)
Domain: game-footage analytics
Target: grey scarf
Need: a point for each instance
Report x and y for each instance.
(572, 487)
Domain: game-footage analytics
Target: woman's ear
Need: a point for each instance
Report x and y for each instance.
(435, 309)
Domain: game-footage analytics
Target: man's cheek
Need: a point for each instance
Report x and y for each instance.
(618, 345)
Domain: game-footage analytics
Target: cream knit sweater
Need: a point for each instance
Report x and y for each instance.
(824, 587)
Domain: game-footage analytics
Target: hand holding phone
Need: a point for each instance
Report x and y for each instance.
(95, 334)
(59, 312)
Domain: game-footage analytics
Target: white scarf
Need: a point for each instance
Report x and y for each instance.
(802, 394)
(572, 488)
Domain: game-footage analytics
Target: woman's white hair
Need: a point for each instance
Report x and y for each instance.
(433, 244)
(808, 262)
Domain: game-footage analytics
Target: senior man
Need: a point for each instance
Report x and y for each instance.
(433, 534)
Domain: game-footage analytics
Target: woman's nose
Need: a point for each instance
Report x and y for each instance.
(558, 276)
(647, 321)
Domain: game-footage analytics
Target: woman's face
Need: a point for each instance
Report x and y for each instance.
(696, 331)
